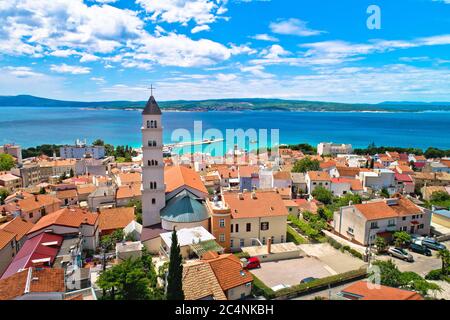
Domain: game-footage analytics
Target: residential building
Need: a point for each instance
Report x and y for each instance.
(10, 182)
(248, 177)
(80, 150)
(34, 284)
(19, 228)
(333, 149)
(110, 220)
(207, 289)
(247, 218)
(404, 183)
(70, 222)
(7, 249)
(362, 223)
(427, 192)
(299, 185)
(102, 197)
(378, 179)
(126, 193)
(32, 208)
(235, 281)
(317, 178)
(363, 290)
(39, 251)
(30, 174)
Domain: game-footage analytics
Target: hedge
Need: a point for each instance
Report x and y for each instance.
(293, 236)
(338, 246)
(437, 275)
(319, 283)
(260, 289)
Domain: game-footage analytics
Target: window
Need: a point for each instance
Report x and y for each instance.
(273, 239)
(403, 228)
(153, 201)
(374, 225)
(231, 243)
(350, 230)
(282, 238)
(249, 227)
(221, 237)
(253, 242)
(264, 240)
(391, 222)
(231, 228)
(241, 242)
(30, 215)
(264, 226)
(237, 227)
(222, 223)
(421, 226)
(404, 218)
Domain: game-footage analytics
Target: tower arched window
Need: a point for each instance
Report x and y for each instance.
(148, 124)
(154, 124)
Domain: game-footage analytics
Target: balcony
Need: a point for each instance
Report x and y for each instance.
(391, 227)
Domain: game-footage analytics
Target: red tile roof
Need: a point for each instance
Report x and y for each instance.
(266, 204)
(362, 290)
(18, 227)
(179, 176)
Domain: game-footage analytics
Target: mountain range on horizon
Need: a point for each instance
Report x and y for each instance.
(231, 104)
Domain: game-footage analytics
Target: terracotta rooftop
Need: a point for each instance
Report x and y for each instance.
(129, 191)
(381, 210)
(282, 175)
(115, 218)
(34, 280)
(69, 217)
(131, 177)
(37, 201)
(318, 176)
(64, 194)
(5, 238)
(362, 290)
(348, 171)
(228, 271)
(248, 171)
(208, 286)
(265, 204)
(179, 176)
(18, 227)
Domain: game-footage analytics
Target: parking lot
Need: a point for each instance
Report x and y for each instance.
(421, 265)
(318, 261)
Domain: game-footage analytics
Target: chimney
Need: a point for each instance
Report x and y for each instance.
(269, 245)
(240, 196)
(253, 195)
(36, 198)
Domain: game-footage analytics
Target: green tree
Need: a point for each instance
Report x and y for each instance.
(98, 142)
(323, 195)
(401, 238)
(6, 162)
(137, 204)
(439, 196)
(434, 153)
(384, 193)
(306, 164)
(389, 274)
(325, 214)
(42, 190)
(380, 244)
(174, 278)
(3, 195)
(444, 255)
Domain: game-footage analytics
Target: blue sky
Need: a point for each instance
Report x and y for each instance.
(95, 50)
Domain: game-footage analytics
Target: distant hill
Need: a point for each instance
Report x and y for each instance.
(229, 105)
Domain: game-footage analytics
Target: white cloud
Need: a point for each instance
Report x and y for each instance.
(226, 77)
(264, 37)
(183, 11)
(21, 72)
(196, 29)
(293, 26)
(63, 53)
(87, 57)
(64, 68)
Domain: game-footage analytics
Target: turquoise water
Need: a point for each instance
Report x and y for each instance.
(31, 126)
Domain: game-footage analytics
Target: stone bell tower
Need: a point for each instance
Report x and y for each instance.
(153, 188)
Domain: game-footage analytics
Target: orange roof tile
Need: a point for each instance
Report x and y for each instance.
(115, 218)
(129, 191)
(363, 291)
(348, 171)
(266, 204)
(229, 272)
(282, 175)
(37, 201)
(18, 227)
(376, 210)
(5, 238)
(208, 286)
(319, 176)
(70, 217)
(42, 280)
(131, 177)
(247, 171)
(64, 194)
(178, 176)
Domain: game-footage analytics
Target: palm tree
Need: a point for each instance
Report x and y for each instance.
(445, 258)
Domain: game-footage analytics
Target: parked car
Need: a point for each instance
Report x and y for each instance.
(420, 248)
(253, 263)
(308, 279)
(401, 254)
(433, 244)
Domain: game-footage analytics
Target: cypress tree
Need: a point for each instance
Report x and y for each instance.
(174, 279)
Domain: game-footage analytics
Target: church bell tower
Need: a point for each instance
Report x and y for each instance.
(153, 188)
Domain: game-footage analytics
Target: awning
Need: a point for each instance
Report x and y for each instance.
(202, 247)
(414, 222)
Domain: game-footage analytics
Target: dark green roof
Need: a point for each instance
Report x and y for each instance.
(185, 207)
